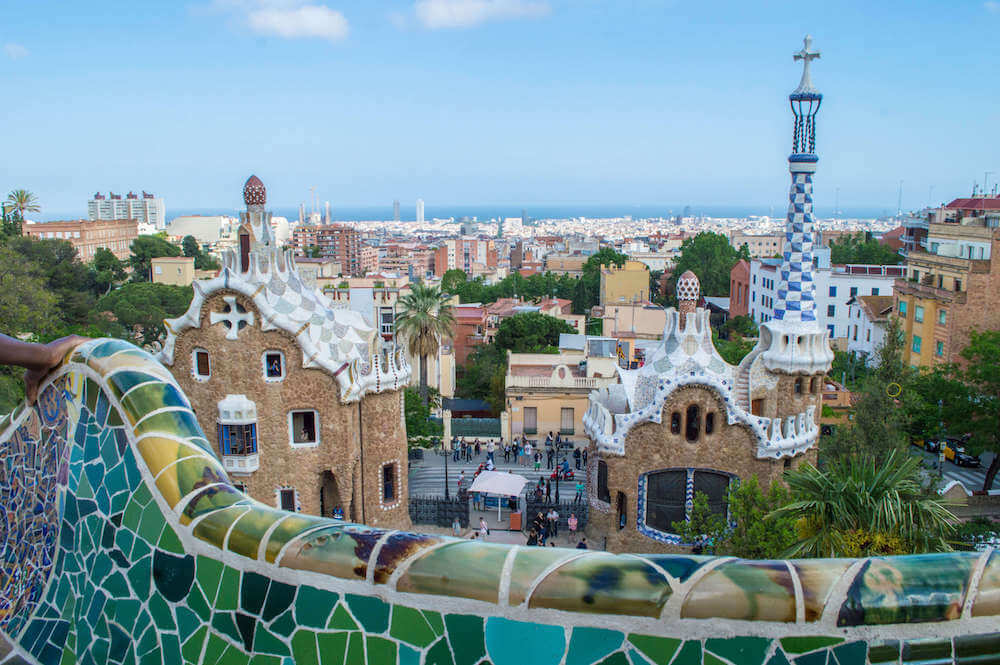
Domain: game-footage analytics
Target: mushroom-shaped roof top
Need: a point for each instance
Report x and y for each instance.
(688, 286)
(254, 192)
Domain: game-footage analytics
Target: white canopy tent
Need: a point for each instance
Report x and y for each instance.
(499, 482)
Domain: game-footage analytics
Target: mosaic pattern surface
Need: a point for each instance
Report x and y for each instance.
(126, 543)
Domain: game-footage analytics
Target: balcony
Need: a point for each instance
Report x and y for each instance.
(908, 288)
(574, 383)
(241, 463)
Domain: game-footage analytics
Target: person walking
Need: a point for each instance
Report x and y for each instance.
(461, 480)
(571, 524)
(584, 456)
(456, 527)
(538, 461)
(484, 529)
(476, 501)
(548, 491)
(478, 448)
(576, 458)
(579, 492)
(490, 450)
(553, 520)
(550, 455)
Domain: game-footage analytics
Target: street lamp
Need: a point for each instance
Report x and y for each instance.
(447, 454)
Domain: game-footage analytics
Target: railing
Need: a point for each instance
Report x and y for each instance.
(906, 287)
(582, 383)
(124, 538)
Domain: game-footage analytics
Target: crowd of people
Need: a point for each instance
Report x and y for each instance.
(520, 451)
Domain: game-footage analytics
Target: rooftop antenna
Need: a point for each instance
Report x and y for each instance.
(899, 203)
(986, 179)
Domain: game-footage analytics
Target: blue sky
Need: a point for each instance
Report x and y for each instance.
(492, 101)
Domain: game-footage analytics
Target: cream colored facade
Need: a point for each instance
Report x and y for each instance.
(627, 284)
(760, 246)
(175, 270)
(550, 392)
(641, 320)
(565, 264)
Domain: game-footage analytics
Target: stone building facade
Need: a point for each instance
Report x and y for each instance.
(301, 400)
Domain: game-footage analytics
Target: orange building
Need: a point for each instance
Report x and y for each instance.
(113, 234)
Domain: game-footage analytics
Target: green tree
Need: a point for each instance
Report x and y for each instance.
(425, 318)
(27, 306)
(10, 223)
(530, 332)
(861, 506)
(69, 279)
(703, 527)
(857, 248)
(141, 308)
(144, 250)
(587, 291)
(754, 533)
(849, 369)
(202, 260)
(109, 271)
(977, 412)
(418, 414)
(733, 350)
(453, 280)
(878, 424)
(742, 326)
(709, 256)
(476, 379)
(23, 201)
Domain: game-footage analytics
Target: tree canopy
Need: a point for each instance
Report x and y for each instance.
(142, 306)
(856, 248)
(202, 260)
(530, 332)
(144, 250)
(709, 256)
(425, 318)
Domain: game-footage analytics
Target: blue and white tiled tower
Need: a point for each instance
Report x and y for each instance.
(797, 344)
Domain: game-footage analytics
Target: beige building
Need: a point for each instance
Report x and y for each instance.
(764, 246)
(302, 409)
(549, 392)
(175, 270)
(639, 321)
(627, 284)
(564, 264)
(115, 235)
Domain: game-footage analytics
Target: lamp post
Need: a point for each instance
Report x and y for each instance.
(447, 454)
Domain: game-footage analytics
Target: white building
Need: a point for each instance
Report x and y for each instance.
(420, 211)
(835, 286)
(146, 209)
(868, 317)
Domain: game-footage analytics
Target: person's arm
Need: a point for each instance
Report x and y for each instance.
(38, 359)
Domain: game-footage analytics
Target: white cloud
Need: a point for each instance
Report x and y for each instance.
(435, 14)
(15, 51)
(292, 22)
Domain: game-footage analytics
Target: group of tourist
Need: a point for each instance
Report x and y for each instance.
(545, 528)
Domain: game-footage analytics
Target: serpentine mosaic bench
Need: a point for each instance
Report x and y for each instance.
(125, 542)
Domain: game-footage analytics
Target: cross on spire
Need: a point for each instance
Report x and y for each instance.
(806, 55)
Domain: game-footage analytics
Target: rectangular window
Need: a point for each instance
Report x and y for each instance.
(831, 310)
(868, 335)
(918, 313)
(288, 500)
(916, 344)
(942, 316)
(753, 296)
(602, 482)
(939, 348)
(386, 321)
(874, 290)
(833, 291)
(238, 439)
(566, 425)
(666, 496)
(274, 365)
(388, 483)
(303, 426)
(201, 364)
(530, 420)
(958, 285)
(854, 291)
(832, 331)
(902, 308)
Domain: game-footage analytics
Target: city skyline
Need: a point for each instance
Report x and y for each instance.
(509, 102)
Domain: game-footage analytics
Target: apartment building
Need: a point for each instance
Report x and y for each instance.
(147, 209)
(952, 280)
(472, 255)
(86, 236)
(336, 241)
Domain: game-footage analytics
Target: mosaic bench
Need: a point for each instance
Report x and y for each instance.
(125, 542)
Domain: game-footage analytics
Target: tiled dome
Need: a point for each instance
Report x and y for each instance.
(254, 192)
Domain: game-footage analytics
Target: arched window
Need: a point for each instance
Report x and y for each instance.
(798, 386)
(668, 493)
(675, 423)
(709, 422)
(692, 424)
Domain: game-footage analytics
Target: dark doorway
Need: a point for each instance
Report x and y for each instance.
(329, 495)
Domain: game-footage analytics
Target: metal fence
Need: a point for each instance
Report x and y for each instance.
(564, 508)
(439, 511)
(475, 427)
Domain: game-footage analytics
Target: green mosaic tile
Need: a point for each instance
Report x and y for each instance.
(439, 654)
(529, 563)
(284, 625)
(151, 397)
(248, 532)
(162, 615)
(588, 645)
(408, 656)
(779, 658)
(187, 620)
(410, 626)
(508, 641)
(266, 642)
(379, 650)
(660, 650)
(341, 619)
(234, 656)
(304, 648)
(739, 650)
(372, 612)
(808, 643)
(290, 528)
(333, 647)
(280, 597)
(615, 659)
(435, 621)
(355, 651)
(253, 592)
(690, 654)
(152, 524)
(225, 623)
(814, 658)
(636, 658)
(977, 649)
(606, 584)
(886, 651)
(465, 634)
(229, 590)
(208, 572)
(313, 606)
(927, 652)
(196, 601)
(748, 590)
(140, 576)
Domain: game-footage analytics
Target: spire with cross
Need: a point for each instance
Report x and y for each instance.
(806, 55)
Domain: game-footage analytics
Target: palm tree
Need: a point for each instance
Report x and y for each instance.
(23, 201)
(855, 500)
(425, 318)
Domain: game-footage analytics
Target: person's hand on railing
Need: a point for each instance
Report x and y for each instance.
(38, 359)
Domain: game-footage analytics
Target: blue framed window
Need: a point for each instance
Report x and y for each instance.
(238, 439)
(854, 291)
(831, 310)
(902, 308)
(916, 343)
(833, 291)
(831, 329)
(874, 290)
